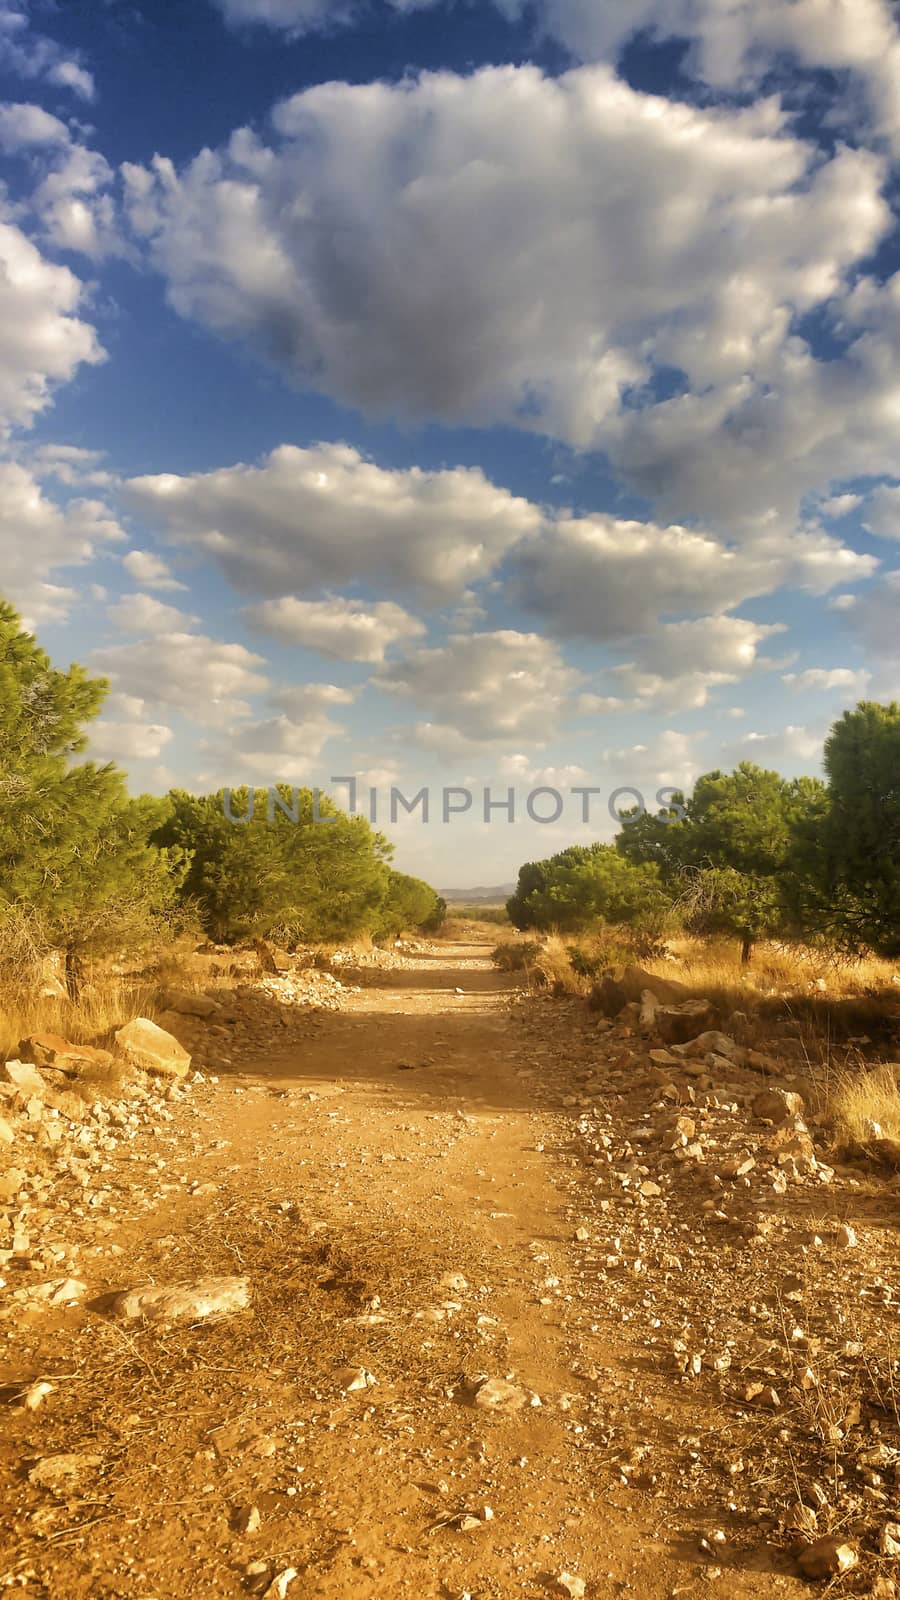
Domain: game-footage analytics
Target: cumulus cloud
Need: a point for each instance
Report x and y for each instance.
(129, 741)
(39, 538)
(487, 686)
(71, 465)
(142, 613)
(295, 17)
(507, 248)
(874, 617)
(783, 751)
(149, 570)
(29, 54)
(680, 663)
(735, 44)
(326, 515)
(601, 577)
(302, 700)
(840, 505)
(882, 513)
(68, 183)
(42, 339)
(207, 680)
(852, 682)
(348, 630)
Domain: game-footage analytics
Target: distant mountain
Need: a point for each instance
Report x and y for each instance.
(480, 895)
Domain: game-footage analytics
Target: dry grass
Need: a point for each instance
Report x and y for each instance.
(866, 1105)
(104, 1004)
(107, 998)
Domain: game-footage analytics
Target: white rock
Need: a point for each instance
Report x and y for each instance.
(208, 1297)
(36, 1395)
(352, 1379)
(567, 1583)
(278, 1588)
(497, 1394)
(149, 1047)
(64, 1474)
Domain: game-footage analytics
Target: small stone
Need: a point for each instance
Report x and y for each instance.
(36, 1395)
(497, 1394)
(845, 1238)
(280, 1584)
(64, 1474)
(247, 1520)
(889, 1544)
(568, 1583)
(352, 1379)
(827, 1558)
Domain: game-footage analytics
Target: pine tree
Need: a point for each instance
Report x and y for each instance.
(74, 849)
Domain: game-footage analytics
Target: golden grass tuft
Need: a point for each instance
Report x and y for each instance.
(865, 1105)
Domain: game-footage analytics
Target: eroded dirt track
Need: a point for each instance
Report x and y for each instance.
(404, 1194)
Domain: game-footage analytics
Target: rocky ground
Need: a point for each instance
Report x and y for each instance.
(476, 1295)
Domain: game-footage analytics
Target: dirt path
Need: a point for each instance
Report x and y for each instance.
(404, 1194)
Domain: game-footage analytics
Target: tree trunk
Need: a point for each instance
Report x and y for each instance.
(746, 949)
(74, 973)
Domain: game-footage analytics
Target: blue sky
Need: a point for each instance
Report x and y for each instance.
(454, 393)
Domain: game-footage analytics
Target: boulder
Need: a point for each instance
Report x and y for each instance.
(271, 959)
(52, 1050)
(191, 1005)
(208, 1297)
(712, 1042)
(676, 1024)
(827, 1558)
(152, 1049)
(24, 1077)
(498, 1394)
(622, 986)
(777, 1105)
(65, 1475)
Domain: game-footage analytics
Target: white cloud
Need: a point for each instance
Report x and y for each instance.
(129, 741)
(299, 701)
(514, 249)
(883, 511)
(784, 750)
(39, 538)
(42, 340)
(71, 465)
(853, 682)
(295, 17)
(207, 680)
(736, 43)
(69, 198)
(669, 759)
(348, 630)
(23, 126)
(326, 515)
(69, 75)
(678, 665)
(149, 570)
(29, 54)
(840, 505)
(487, 686)
(603, 578)
(141, 613)
(875, 617)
